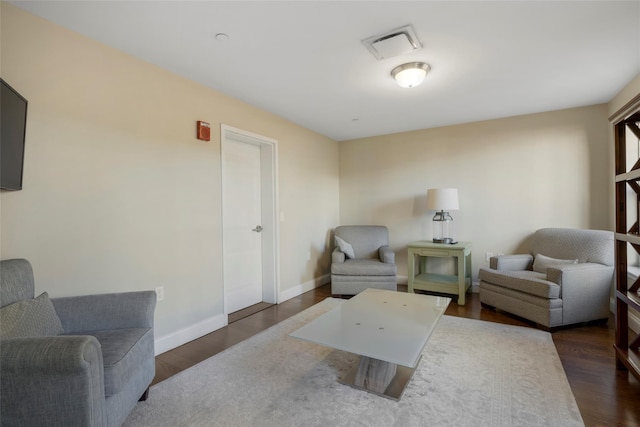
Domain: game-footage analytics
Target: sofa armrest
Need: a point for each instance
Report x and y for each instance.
(585, 290)
(106, 311)
(337, 256)
(516, 262)
(387, 255)
(52, 381)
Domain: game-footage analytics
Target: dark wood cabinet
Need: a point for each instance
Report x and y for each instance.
(627, 216)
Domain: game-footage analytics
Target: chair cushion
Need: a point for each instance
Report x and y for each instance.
(16, 281)
(124, 352)
(566, 243)
(365, 239)
(363, 267)
(345, 247)
(516, 298)
(30, 318)
(542, 262)
(530, 282)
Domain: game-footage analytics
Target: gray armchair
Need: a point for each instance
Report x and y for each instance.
(362, 259)
(77, 361)
(565, 278)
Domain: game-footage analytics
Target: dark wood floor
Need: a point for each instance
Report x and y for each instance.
(605, 396)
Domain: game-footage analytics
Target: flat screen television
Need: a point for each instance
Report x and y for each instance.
(13, 122)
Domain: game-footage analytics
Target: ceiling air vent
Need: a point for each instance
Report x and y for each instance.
(396, 42)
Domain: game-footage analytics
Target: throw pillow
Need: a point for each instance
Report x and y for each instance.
(542, 262)
(345, 247)
(30, 318)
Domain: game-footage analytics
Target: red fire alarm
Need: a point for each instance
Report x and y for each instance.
(204, 131)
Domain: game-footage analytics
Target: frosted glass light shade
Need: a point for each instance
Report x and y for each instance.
(410, 74)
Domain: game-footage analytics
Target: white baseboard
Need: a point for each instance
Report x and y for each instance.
(304, 287)
(403, 280)
(634, 322)
(634, 319)
(190, 333)
(206, 326)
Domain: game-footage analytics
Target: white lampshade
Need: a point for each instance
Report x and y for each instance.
(411, 74)
(442, 199)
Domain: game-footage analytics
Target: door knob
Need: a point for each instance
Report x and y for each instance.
(257, 229)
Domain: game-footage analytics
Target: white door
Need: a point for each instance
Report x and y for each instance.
(241, 212)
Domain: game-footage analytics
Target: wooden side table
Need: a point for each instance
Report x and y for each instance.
(420, 278)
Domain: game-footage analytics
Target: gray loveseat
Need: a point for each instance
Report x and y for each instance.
(566, 278)
(362, 259)
(77, 361)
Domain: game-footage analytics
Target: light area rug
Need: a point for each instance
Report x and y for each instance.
(472, 373)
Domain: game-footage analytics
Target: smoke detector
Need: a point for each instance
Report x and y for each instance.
(396, 42)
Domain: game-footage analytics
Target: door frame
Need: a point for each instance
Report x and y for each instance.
(269, 205)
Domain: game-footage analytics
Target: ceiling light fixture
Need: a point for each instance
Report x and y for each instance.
(410, 74)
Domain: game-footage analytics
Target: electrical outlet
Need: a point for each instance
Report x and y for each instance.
(160, 293)
(488, 256)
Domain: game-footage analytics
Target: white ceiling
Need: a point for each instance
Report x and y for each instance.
(304, 60)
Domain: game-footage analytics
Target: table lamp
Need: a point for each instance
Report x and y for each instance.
(442, 200)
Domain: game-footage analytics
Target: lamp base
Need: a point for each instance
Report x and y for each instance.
(445, 240)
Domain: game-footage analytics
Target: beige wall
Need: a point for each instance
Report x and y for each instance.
(119, 194)
(514, 175)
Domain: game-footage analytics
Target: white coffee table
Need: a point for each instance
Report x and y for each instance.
(387, 329)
